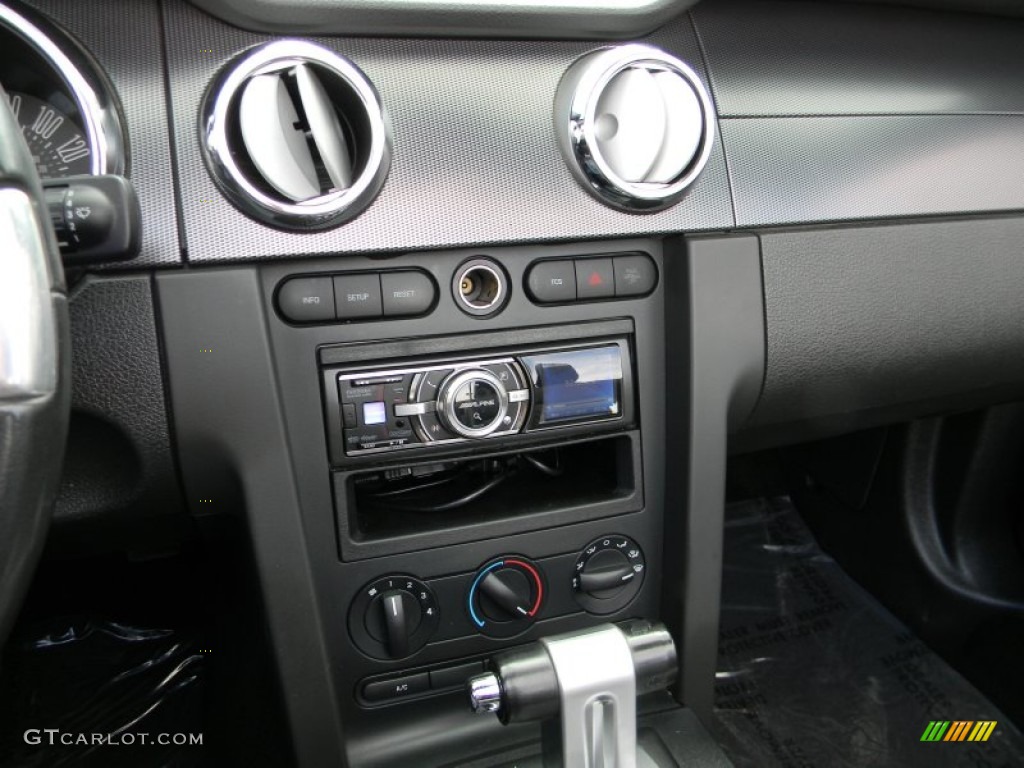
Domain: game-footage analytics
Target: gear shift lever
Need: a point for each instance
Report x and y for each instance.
(590, 679)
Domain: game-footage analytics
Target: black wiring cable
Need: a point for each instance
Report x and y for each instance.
(461, 501)
(547, 469)
(418, 487)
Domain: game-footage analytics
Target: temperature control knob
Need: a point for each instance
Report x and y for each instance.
(506, 596)
(393, 617)
(608, 574)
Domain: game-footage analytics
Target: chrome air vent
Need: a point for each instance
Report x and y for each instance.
(635, 125)
(296, 136)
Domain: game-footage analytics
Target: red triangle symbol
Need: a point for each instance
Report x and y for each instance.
(594, 279)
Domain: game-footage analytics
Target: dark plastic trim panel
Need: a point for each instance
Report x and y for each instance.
(715, 362)
(792, 170)
(235, 458)
(777, 59)
(869, 325)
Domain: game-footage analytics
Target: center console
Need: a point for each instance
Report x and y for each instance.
(476, 476)
(442, 457)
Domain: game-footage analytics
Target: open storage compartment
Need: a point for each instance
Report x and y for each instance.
(392, 509)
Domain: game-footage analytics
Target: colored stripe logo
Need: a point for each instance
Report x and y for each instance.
(959, 730)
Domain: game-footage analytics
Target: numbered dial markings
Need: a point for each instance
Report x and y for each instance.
(57, 143)
(393, 617)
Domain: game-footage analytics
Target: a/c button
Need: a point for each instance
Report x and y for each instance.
(396, 687)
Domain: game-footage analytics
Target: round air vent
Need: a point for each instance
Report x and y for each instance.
(635, 124)
(296, 136)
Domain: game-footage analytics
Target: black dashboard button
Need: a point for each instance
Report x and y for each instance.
(357, 296)
(452, 677)
(307, 299)
(348, 414)
(396, 687)
(407, 293)
(595, 279)
(635, 275)
(550, 282)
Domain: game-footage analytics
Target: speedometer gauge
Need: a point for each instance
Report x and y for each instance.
(58, 145)
(66, 106)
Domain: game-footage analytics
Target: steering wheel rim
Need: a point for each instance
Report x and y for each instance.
(35, 392)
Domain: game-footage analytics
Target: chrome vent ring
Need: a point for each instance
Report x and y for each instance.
(296, 136)
(635, 124)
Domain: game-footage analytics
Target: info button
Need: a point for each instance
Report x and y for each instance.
(551, 282)
(307, 299)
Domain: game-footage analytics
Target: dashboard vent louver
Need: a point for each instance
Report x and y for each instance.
(635, 124)
(296, 136)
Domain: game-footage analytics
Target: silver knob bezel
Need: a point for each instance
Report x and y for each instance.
(575, 105)
(446, 402)
(323, 211)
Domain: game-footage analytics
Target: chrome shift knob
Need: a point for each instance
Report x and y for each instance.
(485, 693)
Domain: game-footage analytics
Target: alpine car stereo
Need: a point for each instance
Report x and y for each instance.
(424, 404)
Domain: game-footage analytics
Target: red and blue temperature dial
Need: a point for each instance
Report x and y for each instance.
(506, 596)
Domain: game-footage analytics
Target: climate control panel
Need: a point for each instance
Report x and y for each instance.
(396, 616)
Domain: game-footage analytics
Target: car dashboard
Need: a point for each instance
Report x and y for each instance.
(498, 351)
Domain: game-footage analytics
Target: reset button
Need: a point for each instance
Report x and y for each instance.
(407, 293)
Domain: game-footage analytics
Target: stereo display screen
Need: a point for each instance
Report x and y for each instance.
(576, 385)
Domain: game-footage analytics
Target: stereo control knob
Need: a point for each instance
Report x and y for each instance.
(393, 617)
(506, 596)
(472, 403)
(608, 574)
